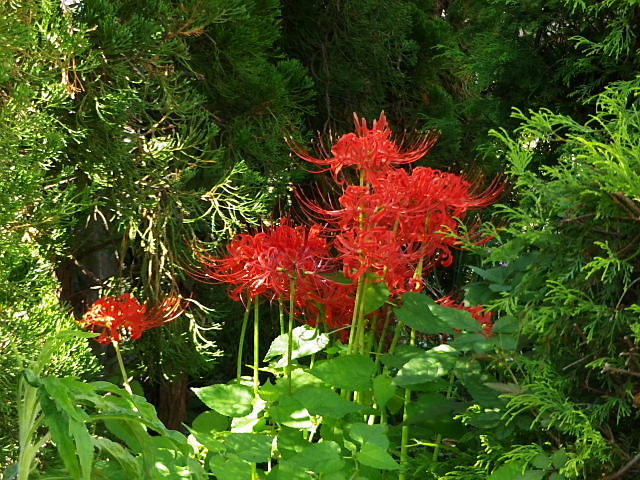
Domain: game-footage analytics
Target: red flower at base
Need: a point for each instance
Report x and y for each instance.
(114, 316)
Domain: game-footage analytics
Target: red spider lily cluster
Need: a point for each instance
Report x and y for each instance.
(121, 317)
(392, 222)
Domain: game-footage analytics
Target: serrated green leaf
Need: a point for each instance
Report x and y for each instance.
(427, 367)
(306, 341)
(230, 467)
(364, 433)
(324, 401)
(383, 389)
(415, 313)
(506, 324)
(352, 372)
(210, 422)
(232, 400)
(252, 447)
(375, 456)
(375, 295)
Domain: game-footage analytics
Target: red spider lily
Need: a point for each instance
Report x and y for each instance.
(328, 302)
(478, 312)
(370, 150)
(267, 261)
(115, 316)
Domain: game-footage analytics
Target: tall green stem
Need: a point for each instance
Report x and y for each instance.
(404, 452)
(243, 333)
(256, 345)
(292, 305)
(125, 377)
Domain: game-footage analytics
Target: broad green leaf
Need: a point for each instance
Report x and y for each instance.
(455, 318)
(375, 295)
(559, 459)
(250, 422)
(58, 424)
(252, 447)
(323, 457)
(402, 355)
(415, 313)
(306, 341)
(210, 422)
(510, 471)
(365, 433)
(352, 372)
(541, 461)
(230, 467)
(506, 324)
(383, 389)
(290, 412)
(430, 406)
(375, 456)
(84, 446)
(324, 401)
(505, 341)
(471, 342)
(494, 275)
(60, 391)
(232, 400)
(121, 455)
(427, 367)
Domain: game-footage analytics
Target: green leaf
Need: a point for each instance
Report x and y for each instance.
(541, 461)
(290, 412)
(58, 425)
(383, 389)
(471, 342)
(352, 372)
(210, 422)
(415, 313)
(375, 456)
(430, 406)
(323, 457)
(365, 433)
(230, 467)
(375, 295)
(306, 341)
(121, 455)
(324, 401)
(494, 275)
(506, 324)
(232, 400)
(252, 447)
(505, 341)
(427, 367)
(510, 471)
(455, 318)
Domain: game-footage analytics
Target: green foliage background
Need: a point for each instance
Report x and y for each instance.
(130, 129)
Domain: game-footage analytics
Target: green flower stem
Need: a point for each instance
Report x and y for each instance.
(436, 448)
(354, 321)
(281, 315)
(404, 442)
(125, 377)
(383, 335)
(243, 332)
(292, 305)
(256, 345)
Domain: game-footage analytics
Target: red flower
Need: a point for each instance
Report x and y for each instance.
(115, 316)
(328, 302)
(266, 262)
(370, 150)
